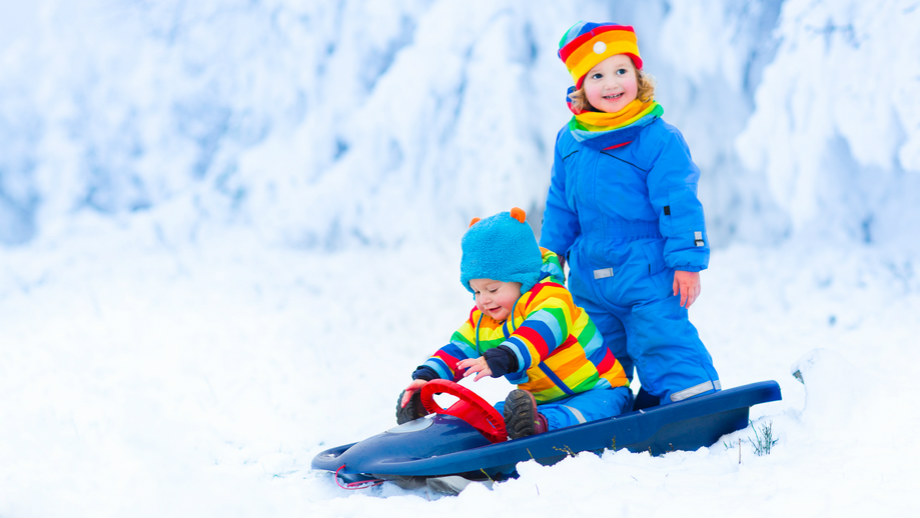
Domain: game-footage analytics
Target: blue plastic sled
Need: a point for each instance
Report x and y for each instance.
(441, 445)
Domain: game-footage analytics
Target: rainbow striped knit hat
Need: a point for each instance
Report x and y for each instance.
(587, 44)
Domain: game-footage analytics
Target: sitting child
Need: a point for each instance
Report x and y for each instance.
(525, 327)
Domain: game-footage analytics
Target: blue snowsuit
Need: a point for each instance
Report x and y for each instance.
(623, 209)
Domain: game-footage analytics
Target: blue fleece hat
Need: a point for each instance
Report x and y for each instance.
(502, 248)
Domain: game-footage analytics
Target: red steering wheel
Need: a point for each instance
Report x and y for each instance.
(471, 408)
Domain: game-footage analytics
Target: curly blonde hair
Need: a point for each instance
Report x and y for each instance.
(645, 93)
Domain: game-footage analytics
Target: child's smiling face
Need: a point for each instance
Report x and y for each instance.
(495, 298)
(612, 84)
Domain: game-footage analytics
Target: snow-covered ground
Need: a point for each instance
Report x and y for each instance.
(230, 230)
(140, 379)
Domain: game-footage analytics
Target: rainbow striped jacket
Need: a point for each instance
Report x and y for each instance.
(559, 351)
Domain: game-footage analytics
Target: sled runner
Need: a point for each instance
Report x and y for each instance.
(468, 438)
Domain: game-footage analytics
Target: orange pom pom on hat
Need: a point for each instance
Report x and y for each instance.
(585, 45)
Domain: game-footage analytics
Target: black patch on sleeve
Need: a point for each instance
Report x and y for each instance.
(501, 360)
(424, 372)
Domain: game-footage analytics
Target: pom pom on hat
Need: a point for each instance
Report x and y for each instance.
(503, 248)
(585, 45)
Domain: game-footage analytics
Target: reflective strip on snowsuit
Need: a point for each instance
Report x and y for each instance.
(624, 210)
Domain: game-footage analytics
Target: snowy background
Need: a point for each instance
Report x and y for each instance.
(229, 230)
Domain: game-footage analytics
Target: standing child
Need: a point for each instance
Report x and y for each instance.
(525, 327)
(623, 209)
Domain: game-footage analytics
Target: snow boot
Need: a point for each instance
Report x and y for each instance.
(644, 400)
(413, 409)
(521, 416)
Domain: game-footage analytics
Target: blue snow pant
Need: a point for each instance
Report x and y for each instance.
(583, 407)
(643, 323)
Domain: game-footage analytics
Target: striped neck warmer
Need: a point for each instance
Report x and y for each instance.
(590, 124)
(603, 121)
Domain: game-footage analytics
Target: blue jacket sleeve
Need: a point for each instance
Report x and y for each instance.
(672, 187)
(560, 222)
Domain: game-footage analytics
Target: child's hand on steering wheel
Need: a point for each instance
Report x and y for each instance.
(411, 389)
